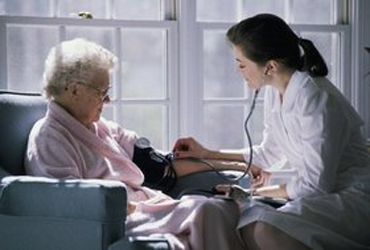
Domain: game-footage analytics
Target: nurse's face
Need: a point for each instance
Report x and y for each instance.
(252, 73)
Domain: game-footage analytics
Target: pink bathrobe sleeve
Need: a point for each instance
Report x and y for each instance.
(61, 147)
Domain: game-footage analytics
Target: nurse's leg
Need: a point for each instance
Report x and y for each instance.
(262, 236)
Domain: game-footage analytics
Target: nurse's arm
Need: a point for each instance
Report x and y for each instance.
(226, 155)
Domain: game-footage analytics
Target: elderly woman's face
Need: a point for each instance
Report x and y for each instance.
(94, 96)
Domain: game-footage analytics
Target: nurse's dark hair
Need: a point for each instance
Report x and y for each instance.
(267, 37)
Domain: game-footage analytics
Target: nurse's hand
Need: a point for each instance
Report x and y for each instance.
(189, 147)
(259, 177)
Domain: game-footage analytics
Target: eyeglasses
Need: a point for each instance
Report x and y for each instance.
(103, 93)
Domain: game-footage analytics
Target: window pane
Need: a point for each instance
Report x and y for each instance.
(221, 78)
(327, 44)
(253, 7)
(143, 64)
(148, 121)
(27, 48)
(25, 7)
(217, 10)
(137, 10)
(298, 11)
(136, 117)
(102, 36)
(255, 124)
(223, 126)
(304, 10)
(70, 8)
(108, 112)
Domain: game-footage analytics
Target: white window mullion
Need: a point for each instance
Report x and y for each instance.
(240, 9)
(173, 87)
(168, 10)
(117, 107)
(344, 59)
(190, 103)
(288, 7)
(3, 53)
(110, 8)
(199, 86)
(340, 13)
(53, 8)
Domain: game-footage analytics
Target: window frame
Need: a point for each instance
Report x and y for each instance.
(193, 34)
(184, 65)
(170, 101)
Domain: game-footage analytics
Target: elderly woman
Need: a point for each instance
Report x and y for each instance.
(74, 141)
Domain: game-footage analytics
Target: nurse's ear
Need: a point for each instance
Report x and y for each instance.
(267, 71)
(271, 67)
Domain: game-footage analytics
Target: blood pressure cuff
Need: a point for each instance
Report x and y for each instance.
(156, 167)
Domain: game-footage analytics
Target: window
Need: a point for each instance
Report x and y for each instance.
(142, 93)
(224, 98)
(176, 73)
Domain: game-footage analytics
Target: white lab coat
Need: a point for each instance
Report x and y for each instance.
(318, 133)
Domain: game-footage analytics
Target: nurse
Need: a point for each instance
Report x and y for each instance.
(308, 124)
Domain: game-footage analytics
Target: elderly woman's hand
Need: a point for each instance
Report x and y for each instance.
(131, 207)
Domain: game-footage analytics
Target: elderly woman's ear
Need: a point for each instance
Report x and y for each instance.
(72, 88)
(68, 95)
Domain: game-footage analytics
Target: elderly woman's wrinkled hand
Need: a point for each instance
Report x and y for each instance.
(131, 207)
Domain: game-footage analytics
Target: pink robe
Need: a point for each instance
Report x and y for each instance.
(61, 147)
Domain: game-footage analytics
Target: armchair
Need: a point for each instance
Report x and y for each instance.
(45, 213)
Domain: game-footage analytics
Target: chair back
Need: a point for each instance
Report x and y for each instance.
(18, 113)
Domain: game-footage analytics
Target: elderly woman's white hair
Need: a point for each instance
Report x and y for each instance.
(74, 61)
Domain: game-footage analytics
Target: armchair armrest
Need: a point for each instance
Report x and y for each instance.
(36, 213)
(3, 173)
(98, 200)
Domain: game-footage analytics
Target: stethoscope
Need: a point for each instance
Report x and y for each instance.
(249, 139)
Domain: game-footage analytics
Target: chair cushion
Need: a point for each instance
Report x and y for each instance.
(18, 113)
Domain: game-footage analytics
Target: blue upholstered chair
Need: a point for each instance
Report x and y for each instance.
(39, 213)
